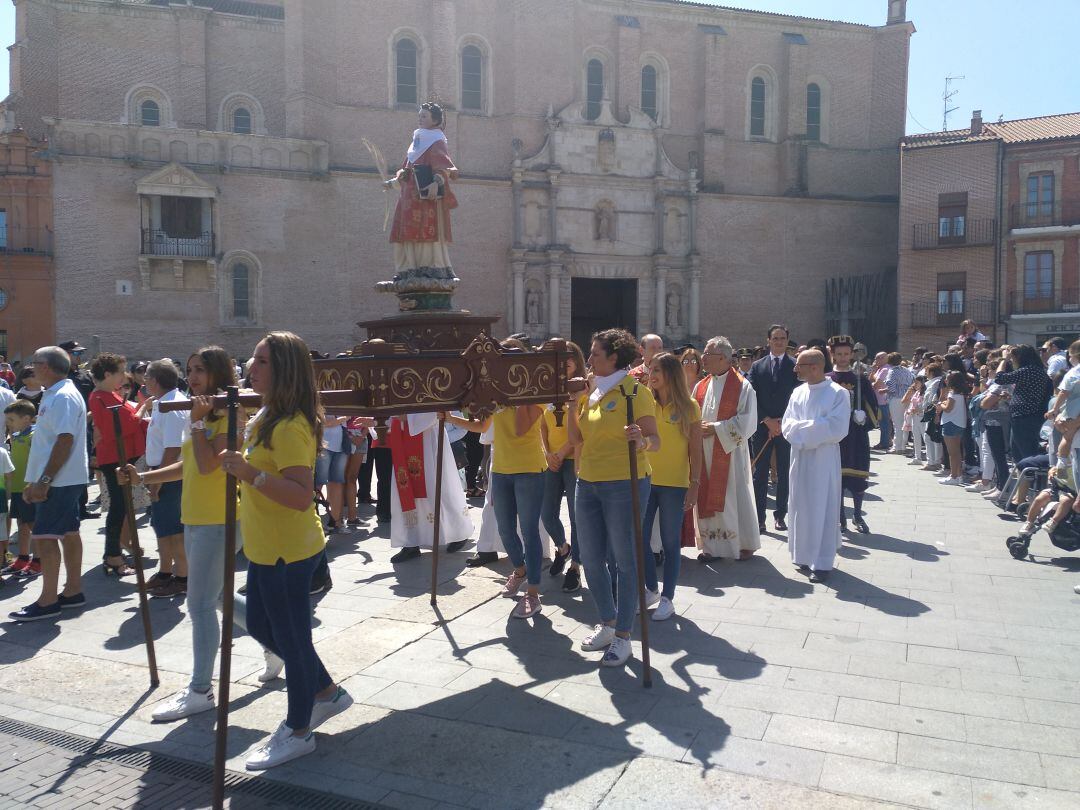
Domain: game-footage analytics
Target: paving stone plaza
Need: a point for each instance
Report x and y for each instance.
(932, 670)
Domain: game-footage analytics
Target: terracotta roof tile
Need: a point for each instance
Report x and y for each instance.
(1022, 130)
(243, 7)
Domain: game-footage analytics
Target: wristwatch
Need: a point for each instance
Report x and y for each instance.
(198, 424)
(259, 480)
(45, 479)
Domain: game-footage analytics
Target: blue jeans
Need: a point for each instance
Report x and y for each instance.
(606, 522)
(279, 618)
(517, 497)
(556, 484)
(669, 502)
(205, 550)
(1024, 437)
(886, 426)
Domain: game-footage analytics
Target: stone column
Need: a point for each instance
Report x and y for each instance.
(518, 324)
(692, 230)
(553, 210)
(516, 179)
(695, 299)
(555, 269)
(660, 324)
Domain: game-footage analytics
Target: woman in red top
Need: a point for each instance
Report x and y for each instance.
(110, 372)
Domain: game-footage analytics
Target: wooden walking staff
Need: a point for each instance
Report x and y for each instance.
(639, 550)
(227, 608)
(136, 550)
(438, 509)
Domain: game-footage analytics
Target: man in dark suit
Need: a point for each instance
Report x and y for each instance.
(773, 378)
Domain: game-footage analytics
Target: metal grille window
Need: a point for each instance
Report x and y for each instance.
(594, 87)
(472, 78)
(813, 112)
(241, 292)
(1039, 275)
(1040, 195)
(241, 121)
(951, 290)
(649, 104)
(952, 216)
(757, 107)
(150, 113)
(408, 88)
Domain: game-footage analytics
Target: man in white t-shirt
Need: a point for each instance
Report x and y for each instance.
(164, 438)
(56, 477)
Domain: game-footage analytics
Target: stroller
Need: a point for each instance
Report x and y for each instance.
(1066, 535)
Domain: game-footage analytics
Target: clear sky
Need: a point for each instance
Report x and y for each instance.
(1014, 53)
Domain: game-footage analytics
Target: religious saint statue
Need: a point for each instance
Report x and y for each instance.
(674, 308)
(532, 307)
(605, 224)
(421, 232)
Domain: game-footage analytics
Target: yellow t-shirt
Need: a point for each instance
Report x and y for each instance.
(202, 502)
(273, 531)
(515, 454)
(603, 455)
(671, 463)
(557, 436)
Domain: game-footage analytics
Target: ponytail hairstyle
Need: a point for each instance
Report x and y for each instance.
(220, 373)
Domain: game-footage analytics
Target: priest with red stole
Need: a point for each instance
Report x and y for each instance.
(421, 230)
(727, 515)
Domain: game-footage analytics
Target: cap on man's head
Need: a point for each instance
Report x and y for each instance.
(678, 350)
(72, 347)
(741, 353)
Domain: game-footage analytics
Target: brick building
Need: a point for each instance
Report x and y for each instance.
(989, 231)
(26, 252)
(658, 164)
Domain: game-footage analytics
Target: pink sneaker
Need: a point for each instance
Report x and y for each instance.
(513, 583)
(527, 607)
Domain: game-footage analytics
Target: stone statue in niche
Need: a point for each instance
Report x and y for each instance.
(674, 309)
(533, 314)
(605, 223)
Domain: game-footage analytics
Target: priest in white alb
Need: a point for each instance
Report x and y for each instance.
(815, 421)
(727, 516)
(413, 443)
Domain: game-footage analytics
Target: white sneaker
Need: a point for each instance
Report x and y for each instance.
(651, 598)
(600, 638)
(184, 704)
(915, 462)
(992, 494)
(664, 611)
(1076, 588)
(280, 747)
(323, 710)
(274, 665)
(951, 482)
(618, 653)
(979, 486)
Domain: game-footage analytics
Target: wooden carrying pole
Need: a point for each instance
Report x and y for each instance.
(227, 608)
(136, 550)
(760, 453)
(639, 550)
(441, 439)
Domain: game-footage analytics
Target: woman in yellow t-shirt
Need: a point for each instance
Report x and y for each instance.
(603, 500)
(676, 472)
(560, 478)
(283, 538)
(202, 512)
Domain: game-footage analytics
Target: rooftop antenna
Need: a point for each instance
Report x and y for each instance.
(947, 97)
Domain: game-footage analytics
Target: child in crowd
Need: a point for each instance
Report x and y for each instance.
(19, 419)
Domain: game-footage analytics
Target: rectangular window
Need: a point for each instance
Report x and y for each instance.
(951, 294)
(1040, 196)
(952, 217)
(594, 88)
(3, 229)
(181, 217)
(813, 112)
(472, 82)
(1039, 276)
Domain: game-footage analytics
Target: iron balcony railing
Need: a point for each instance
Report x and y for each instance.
(931, 313)
(1045, 215)
(156, 242)
(33, 241)
(1038, 299)
(976, 232)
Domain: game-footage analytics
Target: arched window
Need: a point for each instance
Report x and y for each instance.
(649, 99)
(813, 112)
(241, 292)
(150, 114)
(408, 74)
(472, 78)
(241, 121)
(594, 88)
(757, 107)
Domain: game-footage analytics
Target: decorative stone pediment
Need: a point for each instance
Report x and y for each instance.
(175, 180)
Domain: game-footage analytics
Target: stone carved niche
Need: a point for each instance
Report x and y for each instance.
(534, 304)
(604, 221)
(673, 307)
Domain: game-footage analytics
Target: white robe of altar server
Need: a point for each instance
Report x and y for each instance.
(455, 524)
(727, 533)
(815, 421)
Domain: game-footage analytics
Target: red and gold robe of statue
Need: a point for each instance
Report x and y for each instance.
(417, 220)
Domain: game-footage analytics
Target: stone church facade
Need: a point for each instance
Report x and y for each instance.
(661, 165)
